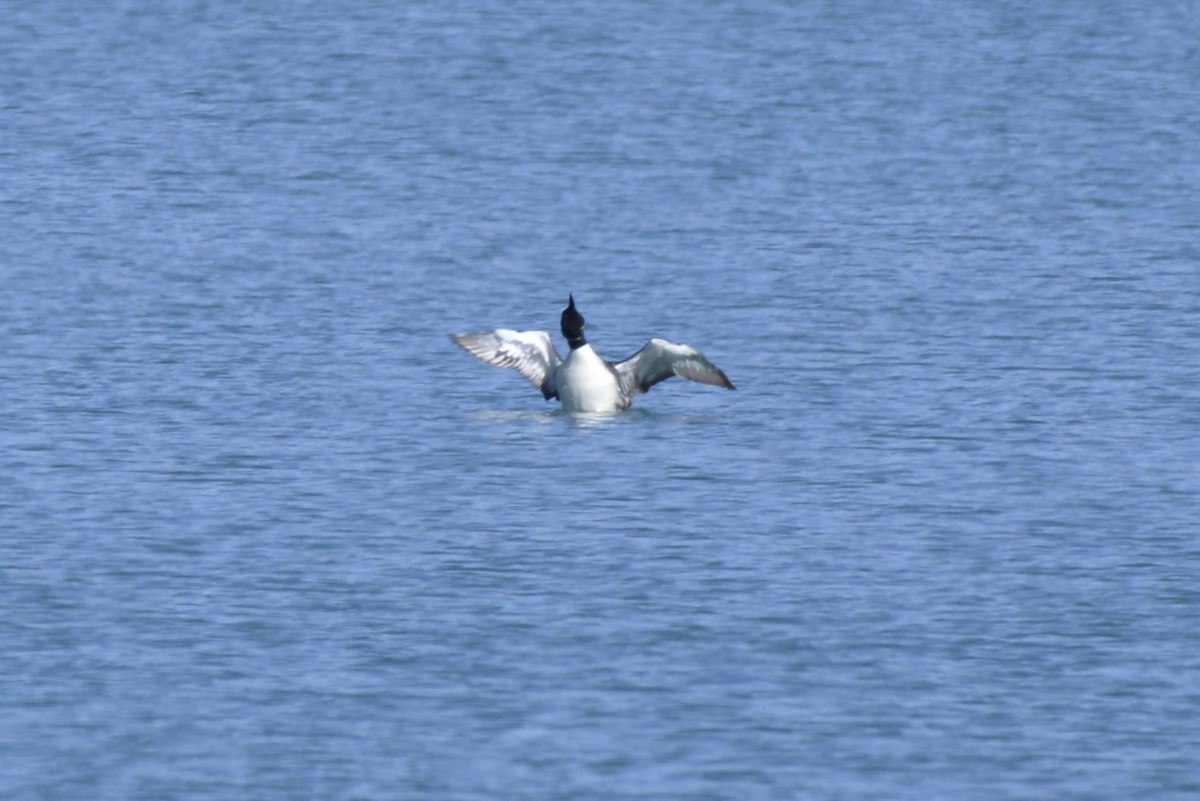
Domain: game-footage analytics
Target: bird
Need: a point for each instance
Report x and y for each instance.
(584, 382)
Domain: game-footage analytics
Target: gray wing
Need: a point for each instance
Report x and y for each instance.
(659, 359)
(530, 353)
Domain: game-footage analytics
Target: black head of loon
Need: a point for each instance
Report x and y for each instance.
(572, 325)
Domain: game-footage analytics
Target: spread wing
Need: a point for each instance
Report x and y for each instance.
(530, 353)
(659, 359)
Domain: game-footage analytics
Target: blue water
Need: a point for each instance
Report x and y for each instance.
(266, 533)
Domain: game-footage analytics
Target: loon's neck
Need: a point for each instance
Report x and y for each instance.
(576, 342)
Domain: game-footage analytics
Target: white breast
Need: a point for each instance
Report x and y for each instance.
(587, 384)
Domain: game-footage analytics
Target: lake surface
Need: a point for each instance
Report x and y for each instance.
(266, 533)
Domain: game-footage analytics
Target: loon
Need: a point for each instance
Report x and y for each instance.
(585, 382)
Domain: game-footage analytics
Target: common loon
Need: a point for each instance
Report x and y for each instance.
(583, 381)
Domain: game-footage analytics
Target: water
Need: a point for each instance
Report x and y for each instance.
(266, 533)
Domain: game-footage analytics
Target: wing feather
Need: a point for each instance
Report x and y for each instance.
(530, 353)
(659, 359)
